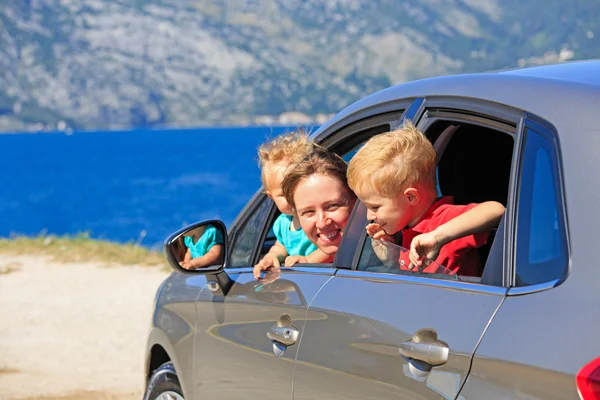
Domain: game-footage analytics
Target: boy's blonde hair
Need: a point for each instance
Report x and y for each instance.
(287, 148)
(391, 162)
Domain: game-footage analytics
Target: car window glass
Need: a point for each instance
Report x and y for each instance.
(541, 243)
(380, 256)
(247, 238)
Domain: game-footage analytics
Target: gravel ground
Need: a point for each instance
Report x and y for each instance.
(73, 331)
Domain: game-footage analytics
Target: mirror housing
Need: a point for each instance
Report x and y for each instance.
(198, 248)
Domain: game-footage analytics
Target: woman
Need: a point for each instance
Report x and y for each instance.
(318, 191)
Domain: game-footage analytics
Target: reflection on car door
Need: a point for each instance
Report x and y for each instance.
(233, 356)
(354, 352)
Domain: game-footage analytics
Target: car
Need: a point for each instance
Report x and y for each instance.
(526, 329)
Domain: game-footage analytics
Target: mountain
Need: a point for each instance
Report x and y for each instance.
(113, 64)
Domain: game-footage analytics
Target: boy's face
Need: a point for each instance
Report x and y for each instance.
(392, 214)
(275, 175)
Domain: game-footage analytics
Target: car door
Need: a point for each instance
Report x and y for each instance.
(233, 357)
(372, 313)
(543, 334)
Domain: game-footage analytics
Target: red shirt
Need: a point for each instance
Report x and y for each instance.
(459, 256)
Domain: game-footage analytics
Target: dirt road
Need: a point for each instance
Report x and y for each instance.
(73, 331)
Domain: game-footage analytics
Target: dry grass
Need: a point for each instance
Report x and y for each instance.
(9, 268)
(81, 248)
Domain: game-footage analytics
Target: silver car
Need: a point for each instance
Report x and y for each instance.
(355, 329)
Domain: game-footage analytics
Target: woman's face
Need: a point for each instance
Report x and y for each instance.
(323, 205)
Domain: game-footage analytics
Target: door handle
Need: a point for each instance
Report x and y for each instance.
(283, 334)
(286, 335)
(425, 347)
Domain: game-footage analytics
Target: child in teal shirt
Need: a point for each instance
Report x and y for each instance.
(292, 246)
(203, 249)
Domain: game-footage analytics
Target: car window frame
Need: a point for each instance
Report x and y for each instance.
(240, 223)
(333, 139)
(476, 112)
(548, 132)
(359, 132)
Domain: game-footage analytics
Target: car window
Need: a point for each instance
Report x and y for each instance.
(380, 256)
(248, 236)
(541, 242)
(474, 167)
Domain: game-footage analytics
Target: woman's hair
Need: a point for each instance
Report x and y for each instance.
(319, 162)
(288, 148)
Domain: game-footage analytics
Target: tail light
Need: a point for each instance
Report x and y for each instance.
(588, 381)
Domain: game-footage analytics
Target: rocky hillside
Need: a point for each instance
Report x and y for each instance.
(107, 64)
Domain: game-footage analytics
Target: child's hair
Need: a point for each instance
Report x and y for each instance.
(391, 162)
(287, 148)
(320, 161)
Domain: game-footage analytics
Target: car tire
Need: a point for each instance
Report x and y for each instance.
(164, 384)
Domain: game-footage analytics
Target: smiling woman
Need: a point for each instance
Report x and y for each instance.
(318, 190)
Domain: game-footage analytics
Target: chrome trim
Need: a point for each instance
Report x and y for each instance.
(425, 281)
(430, 117)
(482, 107)
(540, 287)
(319, 269)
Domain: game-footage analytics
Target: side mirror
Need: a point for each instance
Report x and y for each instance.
(198, 248)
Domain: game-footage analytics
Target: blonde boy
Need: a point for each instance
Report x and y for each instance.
(394, 175)
(292, 243)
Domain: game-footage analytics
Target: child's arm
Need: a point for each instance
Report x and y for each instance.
(273, 258)
(212, 257)
(316, 257)
(186, 257)
(479, 219)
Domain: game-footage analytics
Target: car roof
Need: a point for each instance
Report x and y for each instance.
(587, 72)
(569, 90)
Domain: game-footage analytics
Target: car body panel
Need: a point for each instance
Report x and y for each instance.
(173, 323)
(233, 356)
(353, 352)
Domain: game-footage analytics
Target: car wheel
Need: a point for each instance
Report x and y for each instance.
(164, 384)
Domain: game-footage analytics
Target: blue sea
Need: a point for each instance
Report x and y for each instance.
(137, 185)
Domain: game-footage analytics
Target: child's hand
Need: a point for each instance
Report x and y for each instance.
(290, 261)
(422, 246)
(269, 260)
(375, 231)
(187, 265)
(380, 250)
(271, 276)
